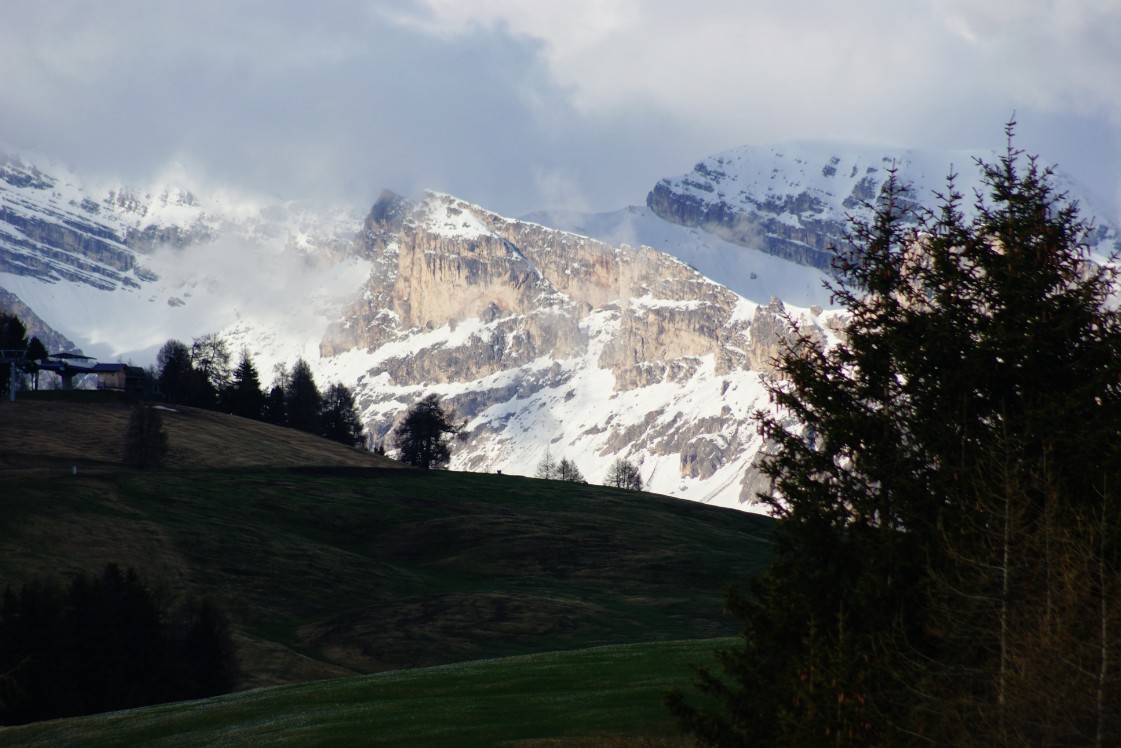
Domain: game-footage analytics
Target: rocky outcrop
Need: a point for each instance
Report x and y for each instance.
(758, 226)
(539, 339)
(532, 291)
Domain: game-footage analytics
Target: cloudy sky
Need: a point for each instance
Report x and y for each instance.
(527, 104)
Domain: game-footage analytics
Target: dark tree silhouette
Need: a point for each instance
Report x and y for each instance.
(207, 651)
(243, 397)
(567, 470)
(339, 419)
(945, 478)
(274, 411)
(302, 401)
(36, 352)
(179, 382)
(422, 437)
(210, 358)
(13, 337)
(145, 439)
(624, 474)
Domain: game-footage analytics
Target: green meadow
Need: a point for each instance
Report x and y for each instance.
(333, 563)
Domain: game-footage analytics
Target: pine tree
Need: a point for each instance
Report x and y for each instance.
(339, 419)
(13, 337)
(178, 380)
(567, 470)
(422, 436)
(302, 401)
(275, 409)
(106, 642)
(36, 352)
(243, 397)
(207, 652)
(972, 345)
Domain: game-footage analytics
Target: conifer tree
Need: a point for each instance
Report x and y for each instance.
(243, 397)
(975, 348)
(104, 642)
(567, 470)
(275, 409)
(36, 352)
(339, 419)
(302, 401)
(422, 436)
(178, 380)
(13, 337)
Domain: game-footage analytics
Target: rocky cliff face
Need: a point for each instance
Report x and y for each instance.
(547, 340)
(47, 237)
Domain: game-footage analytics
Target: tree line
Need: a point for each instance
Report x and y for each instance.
(200, 375)
(946, 481)
(104, 642)
(622, 474)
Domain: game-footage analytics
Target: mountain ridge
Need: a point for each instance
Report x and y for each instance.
(587, 336)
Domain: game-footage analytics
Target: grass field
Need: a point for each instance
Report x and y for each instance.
(608, 696)
(333, 562)
(56, 431)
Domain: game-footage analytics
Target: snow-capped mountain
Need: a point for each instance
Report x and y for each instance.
(546, 340)
(792, 201)
(119, 270)
(643, 333)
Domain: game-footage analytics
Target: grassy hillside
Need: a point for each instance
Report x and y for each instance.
(331, 563)
(58, 430)
(608, 696)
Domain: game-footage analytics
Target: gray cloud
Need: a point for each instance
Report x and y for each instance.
(521, 105)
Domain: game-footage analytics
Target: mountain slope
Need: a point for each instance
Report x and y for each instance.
(56, 431)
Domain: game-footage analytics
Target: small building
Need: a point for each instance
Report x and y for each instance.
(130, 379)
